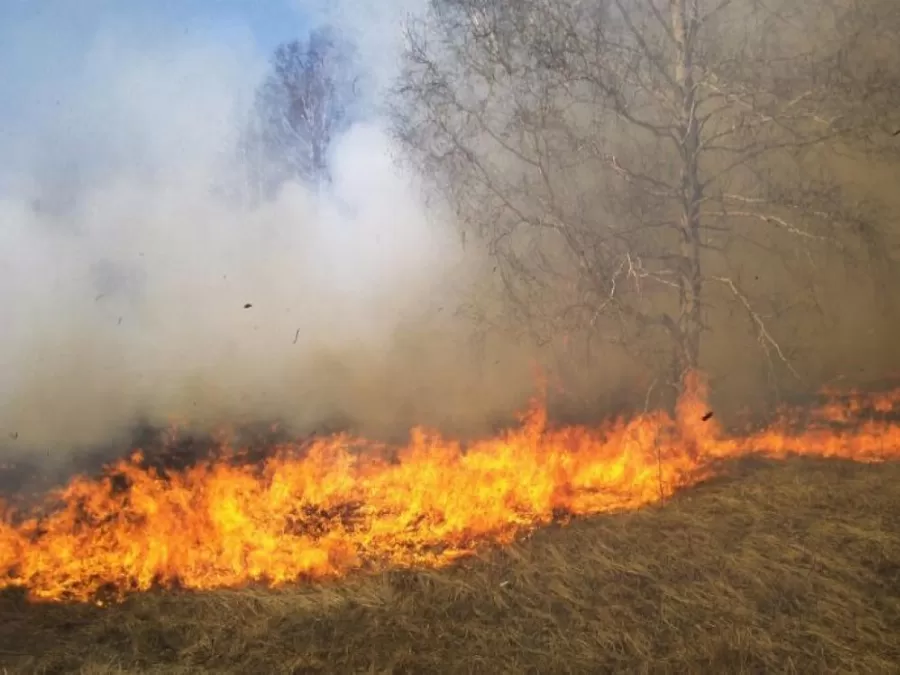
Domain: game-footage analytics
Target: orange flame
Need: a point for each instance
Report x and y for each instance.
(343, 504)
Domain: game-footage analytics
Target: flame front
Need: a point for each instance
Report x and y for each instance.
(343, 504)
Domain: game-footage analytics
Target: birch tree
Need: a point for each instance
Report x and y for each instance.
(305, 101)
(635, 166)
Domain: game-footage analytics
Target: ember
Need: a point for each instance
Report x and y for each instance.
(324, 509)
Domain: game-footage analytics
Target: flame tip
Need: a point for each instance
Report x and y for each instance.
(324, 507)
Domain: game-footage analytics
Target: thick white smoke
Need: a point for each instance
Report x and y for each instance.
(124, 271)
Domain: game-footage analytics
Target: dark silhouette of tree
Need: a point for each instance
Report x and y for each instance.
(308, 98)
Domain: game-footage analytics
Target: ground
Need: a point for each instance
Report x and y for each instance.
(789, 566)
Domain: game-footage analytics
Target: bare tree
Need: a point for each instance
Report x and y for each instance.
(307, 99)
(637, 167)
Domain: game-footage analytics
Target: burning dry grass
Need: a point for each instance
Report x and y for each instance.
(339, 506)
(790, 566)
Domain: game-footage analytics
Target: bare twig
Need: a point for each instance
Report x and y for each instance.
(764, 337)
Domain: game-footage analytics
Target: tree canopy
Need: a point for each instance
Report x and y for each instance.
(308, 98)
(645, 172)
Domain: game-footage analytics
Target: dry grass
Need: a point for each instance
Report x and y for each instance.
(776, 567)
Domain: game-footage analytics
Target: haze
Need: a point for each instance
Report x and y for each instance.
(125, 273)
(135, 286)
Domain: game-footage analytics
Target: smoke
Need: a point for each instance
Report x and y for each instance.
(133, 288)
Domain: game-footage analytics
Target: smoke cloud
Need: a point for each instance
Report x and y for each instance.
(132, 288)
(135, 286)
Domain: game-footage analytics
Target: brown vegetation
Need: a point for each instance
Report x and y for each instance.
(664, 184)
(775, 567)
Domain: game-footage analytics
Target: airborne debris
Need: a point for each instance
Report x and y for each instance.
(248, 306)
(707, 416)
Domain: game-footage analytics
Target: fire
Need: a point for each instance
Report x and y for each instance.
(341, 504)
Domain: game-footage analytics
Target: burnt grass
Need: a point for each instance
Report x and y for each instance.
(789, 566)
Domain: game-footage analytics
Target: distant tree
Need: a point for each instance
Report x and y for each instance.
(308, 97)
(641, 169)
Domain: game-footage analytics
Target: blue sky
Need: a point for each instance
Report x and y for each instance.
(90, 82)
(52, 69)
(42, 42)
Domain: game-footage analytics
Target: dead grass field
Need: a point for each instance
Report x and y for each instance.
(774, 567)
